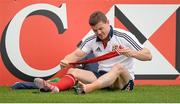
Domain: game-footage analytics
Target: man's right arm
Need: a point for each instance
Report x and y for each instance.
(75, 56)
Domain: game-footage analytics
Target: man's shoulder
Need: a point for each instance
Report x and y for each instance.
(89, 38)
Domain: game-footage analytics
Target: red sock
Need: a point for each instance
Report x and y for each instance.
(65, 83)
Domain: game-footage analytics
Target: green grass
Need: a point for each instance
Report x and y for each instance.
(141, 94)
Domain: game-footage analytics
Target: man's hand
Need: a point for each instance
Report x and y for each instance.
(64, 64)
(126, 52)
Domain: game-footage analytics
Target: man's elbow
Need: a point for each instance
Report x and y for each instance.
(149, 55)
(149, 58)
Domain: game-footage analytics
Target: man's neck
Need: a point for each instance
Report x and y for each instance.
(105, 41)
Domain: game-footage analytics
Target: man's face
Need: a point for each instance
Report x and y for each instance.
(101, 29)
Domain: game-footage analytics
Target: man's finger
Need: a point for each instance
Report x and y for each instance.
(118, 51)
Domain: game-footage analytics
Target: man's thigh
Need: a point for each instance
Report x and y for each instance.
(84, 76)
(119, 83)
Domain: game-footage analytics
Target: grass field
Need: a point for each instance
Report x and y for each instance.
(141, 94)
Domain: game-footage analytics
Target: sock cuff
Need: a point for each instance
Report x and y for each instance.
(71, 77)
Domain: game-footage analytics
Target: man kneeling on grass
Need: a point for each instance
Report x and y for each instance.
(117, 72)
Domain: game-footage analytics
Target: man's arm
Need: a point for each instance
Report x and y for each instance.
(143, 54)
(72, 57)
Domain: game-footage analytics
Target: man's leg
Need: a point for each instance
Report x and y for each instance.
(108, 79)
(121, 84)
(74, 74)
(68, 81)
(84, 76)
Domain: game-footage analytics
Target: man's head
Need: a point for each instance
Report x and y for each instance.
(99, 24)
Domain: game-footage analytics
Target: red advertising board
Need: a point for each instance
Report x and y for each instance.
(37, 34)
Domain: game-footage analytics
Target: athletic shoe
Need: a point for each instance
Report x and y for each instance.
(45, 86)
(129, 86)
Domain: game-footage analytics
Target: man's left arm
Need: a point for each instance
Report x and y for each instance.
(143, 54)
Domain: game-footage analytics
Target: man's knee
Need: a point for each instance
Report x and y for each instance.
(73, 71)
(118, 67)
